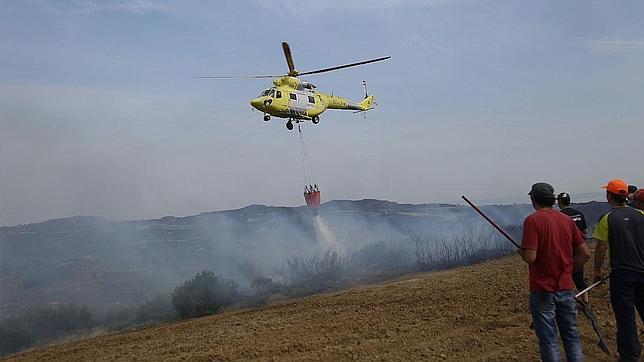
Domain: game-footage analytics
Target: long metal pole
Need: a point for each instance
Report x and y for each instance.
(601, 281)
(492, 222)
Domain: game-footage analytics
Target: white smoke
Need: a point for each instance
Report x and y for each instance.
(325, 236)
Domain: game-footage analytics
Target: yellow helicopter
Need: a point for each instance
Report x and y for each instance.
(298, 100)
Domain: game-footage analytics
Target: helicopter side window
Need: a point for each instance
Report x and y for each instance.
(311, 100)
(278, 94)
(293, 96)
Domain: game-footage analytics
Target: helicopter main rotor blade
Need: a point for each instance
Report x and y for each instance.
(344, 66)
(249, 77)
(289, 60)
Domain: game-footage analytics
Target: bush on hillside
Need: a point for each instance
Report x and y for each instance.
(380, 257)
(204, 294)
(316, 272)
(463, 249)
(262, 287)
(157, 309)
(43, 324)
(117, 318)
(13, 337)
(57, 321)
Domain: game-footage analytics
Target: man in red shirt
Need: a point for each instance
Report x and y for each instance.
(549, 238)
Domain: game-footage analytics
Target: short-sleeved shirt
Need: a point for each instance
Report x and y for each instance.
(577, 217)
(554, 236)
(623, 229)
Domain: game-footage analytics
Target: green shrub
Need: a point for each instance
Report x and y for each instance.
(380, 256)
(13, 337)
(316, 272)
(118, 318)
(43, 324)
(204, 294)
(159, 308)
(57, 321)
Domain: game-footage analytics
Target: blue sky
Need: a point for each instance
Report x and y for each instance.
(100, 113)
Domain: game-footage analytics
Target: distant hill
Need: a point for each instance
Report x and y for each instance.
(89, 260)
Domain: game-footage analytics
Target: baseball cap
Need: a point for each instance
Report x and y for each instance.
(564, 197)
(617, 187)
(542, 190)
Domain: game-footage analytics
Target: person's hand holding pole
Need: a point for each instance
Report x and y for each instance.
(600, 253)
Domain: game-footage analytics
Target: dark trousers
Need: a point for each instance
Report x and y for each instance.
(578, 277)
(626, 295)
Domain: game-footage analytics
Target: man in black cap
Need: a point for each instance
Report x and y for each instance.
(563, 201)
(632, 189)
(638, 199)
(549, 238)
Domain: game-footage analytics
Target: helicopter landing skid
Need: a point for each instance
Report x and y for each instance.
(289, 123)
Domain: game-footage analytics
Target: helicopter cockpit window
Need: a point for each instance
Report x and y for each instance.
(268, 92)
(278, 94)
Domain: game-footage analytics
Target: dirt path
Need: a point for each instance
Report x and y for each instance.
(467, 314)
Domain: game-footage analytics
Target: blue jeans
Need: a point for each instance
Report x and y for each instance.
(549, 311)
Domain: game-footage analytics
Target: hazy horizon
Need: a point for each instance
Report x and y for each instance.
(578, 198)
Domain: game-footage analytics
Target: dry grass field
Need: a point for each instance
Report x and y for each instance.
(474, 313)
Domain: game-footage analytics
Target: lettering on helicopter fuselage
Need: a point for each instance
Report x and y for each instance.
(296, 111)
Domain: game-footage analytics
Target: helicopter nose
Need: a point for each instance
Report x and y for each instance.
(257, 103)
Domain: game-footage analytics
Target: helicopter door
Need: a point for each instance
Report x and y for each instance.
(297, 104)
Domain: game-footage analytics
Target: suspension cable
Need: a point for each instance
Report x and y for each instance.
(306, 161)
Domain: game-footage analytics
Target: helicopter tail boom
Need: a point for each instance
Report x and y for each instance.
(335, 102)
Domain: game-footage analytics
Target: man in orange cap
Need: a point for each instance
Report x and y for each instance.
(622, 229)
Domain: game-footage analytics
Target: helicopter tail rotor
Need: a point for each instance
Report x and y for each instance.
(367, 103)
